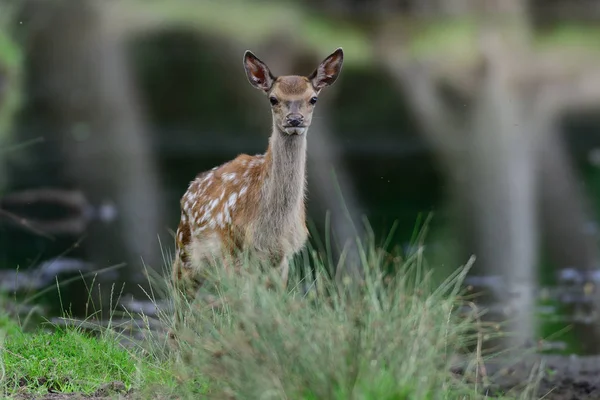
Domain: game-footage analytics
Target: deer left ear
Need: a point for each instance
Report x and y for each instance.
(257, 72)
(328, 71)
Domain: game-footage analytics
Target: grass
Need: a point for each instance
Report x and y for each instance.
(391, 336)
(69, 359)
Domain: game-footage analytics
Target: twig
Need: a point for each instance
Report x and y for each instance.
(24, 223)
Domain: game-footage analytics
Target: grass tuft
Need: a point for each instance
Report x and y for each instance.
(388, 337)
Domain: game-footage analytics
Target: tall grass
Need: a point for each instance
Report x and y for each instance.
(389, 336)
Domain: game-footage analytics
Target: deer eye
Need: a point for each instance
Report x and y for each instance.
(313, 100)
(273, 100)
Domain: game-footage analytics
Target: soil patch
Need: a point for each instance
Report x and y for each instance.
(112, 390)
(565, 377)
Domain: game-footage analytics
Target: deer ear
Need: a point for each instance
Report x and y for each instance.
(328, 71)
(257, 72)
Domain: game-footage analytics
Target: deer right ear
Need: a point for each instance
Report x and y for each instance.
(328, 71)
(257, 72)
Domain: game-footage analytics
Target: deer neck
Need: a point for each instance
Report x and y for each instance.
(285, 180)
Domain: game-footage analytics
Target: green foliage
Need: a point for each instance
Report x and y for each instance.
(8, 325)
(11, 60)
(229, 20)
(570, 35)
(11, 66)
(452, 36)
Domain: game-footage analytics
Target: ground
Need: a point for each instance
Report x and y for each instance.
(107, 391)
(582, 387)
(572, 378)
(566, 378)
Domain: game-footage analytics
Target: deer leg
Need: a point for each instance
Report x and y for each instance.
(284, 270)
(177, 301)
(187, 281)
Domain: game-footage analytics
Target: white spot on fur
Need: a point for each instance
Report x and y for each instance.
(205, 217)
(232, 199)
(228, 176)
(243, 190)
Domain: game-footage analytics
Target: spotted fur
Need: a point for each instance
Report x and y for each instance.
(254, 203)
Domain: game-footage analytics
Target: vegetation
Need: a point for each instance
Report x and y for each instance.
(394, 336)
(11, 66)
(71, 360)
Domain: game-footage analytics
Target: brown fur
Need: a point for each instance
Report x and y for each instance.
(254, 203)
(292, 85)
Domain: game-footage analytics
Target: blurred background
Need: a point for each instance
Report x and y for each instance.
(484, 114)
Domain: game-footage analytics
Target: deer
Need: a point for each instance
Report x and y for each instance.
(255, 204)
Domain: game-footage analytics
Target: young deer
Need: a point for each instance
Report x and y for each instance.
(255, 203)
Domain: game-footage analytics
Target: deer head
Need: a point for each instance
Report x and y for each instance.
(293, 97)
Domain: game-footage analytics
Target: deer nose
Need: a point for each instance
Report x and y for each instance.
(294, 119)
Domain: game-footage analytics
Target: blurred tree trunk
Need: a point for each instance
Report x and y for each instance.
(91, 107)
(497, 152)
(10, 94)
